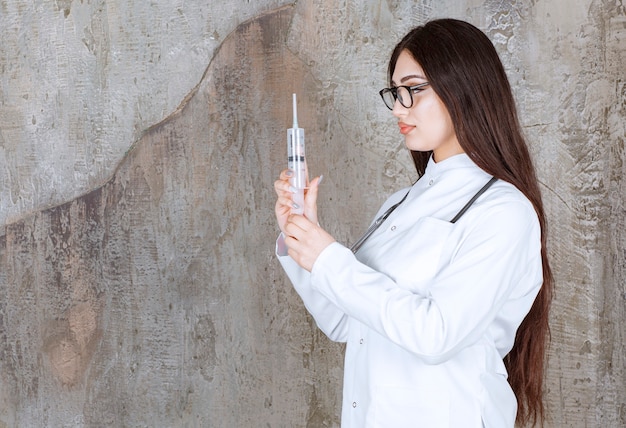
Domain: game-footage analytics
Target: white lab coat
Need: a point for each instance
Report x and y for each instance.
(429, 308)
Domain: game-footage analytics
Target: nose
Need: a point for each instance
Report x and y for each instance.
(398, 109)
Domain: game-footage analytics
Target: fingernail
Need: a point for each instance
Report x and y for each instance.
(295, 206)
(289, 173)
(320, 180)
(293, 189)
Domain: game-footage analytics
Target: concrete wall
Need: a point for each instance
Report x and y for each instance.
(139, 142)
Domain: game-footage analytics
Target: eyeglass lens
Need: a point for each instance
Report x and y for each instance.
(402, 93)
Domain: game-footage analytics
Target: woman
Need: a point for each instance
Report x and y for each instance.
(444, 307)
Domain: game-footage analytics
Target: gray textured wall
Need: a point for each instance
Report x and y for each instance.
(139, 142)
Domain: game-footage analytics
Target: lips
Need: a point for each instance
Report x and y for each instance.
(404, 128)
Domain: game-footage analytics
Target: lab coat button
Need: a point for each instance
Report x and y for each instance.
(354, 404)
(393, 228)
(431, 181)
(361, 341)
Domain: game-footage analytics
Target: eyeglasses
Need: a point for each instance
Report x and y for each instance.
(404, 94)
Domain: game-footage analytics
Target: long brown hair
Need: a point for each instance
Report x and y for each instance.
(464, 69)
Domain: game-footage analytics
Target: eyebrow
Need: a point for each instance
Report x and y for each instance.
(409, 77)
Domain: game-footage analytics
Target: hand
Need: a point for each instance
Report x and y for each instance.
(305, 240)
(284, 203)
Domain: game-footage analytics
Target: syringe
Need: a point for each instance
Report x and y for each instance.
(296, 160)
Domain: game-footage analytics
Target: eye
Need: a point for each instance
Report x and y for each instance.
(416, 89)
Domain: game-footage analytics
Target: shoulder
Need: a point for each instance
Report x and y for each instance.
(506, 197)
(506, 211)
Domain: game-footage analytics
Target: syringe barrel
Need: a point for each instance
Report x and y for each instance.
(296, 157)
(297, 164)
(297, 160)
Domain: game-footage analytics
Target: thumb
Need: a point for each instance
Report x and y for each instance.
(310, 199)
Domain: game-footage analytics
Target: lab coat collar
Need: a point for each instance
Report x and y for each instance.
(435, 169)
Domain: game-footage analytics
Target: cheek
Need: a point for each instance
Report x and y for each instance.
(427, 110)
(438, 118)
(428, 114)
(446, 122)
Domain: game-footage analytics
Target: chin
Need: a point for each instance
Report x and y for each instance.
(416, 147)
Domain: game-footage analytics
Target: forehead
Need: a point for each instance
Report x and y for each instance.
(406, 68)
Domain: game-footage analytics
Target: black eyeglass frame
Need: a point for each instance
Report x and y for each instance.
(394, 92)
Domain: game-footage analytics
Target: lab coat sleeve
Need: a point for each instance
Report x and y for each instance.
(498, 254)
(330, 319)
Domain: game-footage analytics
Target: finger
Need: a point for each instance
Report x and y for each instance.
(300, 221)
(296, 228)
(310, 200)
(286, 174)
(294, 248)
(286, 203)
(282, 188)
(311, 194)
(292, 230)
(291, 252)
(292, 243)
(282, 209)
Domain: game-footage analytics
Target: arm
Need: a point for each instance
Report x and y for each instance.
(499, 254)
(330, 319)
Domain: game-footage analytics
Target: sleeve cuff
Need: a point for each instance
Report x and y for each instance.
(281, 247)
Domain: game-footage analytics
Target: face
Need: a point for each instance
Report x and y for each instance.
(427, 124)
